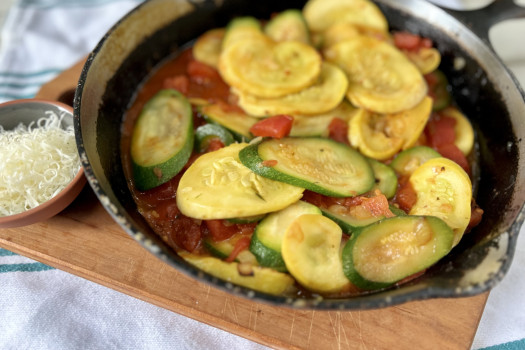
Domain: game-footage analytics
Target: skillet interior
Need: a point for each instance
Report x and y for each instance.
(483, 89)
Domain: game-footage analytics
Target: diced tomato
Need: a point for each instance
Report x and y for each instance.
(186, 233)
(201, 73)
(242, 244)
(230, 106)
(377, 205)
(338, 130)
(406, 196)
(214, 144)
(181, 83)
(440, 130)
(277, 126)
(411, 42)
(452, 152)
(475, 216)
(221, 229)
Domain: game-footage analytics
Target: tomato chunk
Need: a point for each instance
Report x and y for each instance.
(452, 152)
(338, 131)
(221, 229)
(440, 130)
(411, 42)
(201, 73)
(277, 126)
(242, 244)
(181, 83)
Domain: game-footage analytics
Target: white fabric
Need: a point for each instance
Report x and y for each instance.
(42, 308)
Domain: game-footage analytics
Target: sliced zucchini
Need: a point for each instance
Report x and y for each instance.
(381, 78)
(443, 190)
(381, 136)
(426, 59)
(311, 251)
(268, 236)
(385, 178)
(261, 279)
(323, 96)
(268, 69)
(208, 46)
(288, 25)
(320, 165)
(384, 253)
(218, 186)
(321, 14)
(349, 223)
(241, 28)
(463, 129)
(247, 219)
(406, 162)
(221, 249)
(397, 211)
(438, 89)
(162, 139)
(236, 122)
(317, 125)
(205, 133)
(339, 32)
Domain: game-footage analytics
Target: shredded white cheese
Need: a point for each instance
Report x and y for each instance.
(36, 162)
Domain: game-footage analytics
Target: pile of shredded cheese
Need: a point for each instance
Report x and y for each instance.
(37, 161)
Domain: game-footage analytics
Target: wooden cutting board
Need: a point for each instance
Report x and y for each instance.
(85, 241)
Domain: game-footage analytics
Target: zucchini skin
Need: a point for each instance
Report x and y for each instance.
(249, 156)
(266, 256)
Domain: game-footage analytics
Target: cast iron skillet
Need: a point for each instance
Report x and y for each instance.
(483, 88)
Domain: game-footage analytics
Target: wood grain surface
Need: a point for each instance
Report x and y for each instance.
(85, 241)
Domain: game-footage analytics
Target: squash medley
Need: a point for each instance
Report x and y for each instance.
(336, 164)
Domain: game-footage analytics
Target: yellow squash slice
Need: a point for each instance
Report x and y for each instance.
(261, 279)
(443, 190)
(326, 94)
(207, 48)
(317, 125)
(381, 136)
(426, 59)
(321, 14)
(311, 250)
(381, 78)
(339, 32)
(218, 186)
(268, 69)
(464, 131)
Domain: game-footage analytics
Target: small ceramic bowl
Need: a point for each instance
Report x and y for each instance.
(25, 111)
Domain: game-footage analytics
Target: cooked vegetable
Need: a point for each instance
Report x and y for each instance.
(207, 132)
(218, 186)
(323, 96)
(258, 278)
(321, 14)
(311, 251)
(277, 127)
(207, 48)
(385, 178)
(241, 28)
(426, 59)
(348, 220)
(268, 69)
(406, 162)
(443, 190)
(318, 125)
(287, 26)
(381, 78)
(380, 136)
(384, 253)
(320, 165)
(162, 139)
(268, 236)
(237, 122)
(464, 133)
(438, 89)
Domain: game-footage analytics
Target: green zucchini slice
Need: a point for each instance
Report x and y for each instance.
(268, 236)
(311, 251)
(406, 162)
(205, 133)
(236, 122)
(320, 165)
(162, 139)
(288, 25)
(218, 186)
(241, 28)
(385, 177)
(347, 222)
(389, 250)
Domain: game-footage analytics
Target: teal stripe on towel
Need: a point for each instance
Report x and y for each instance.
(30, 267)
(513, 345)
(30, 74)
(5, 252)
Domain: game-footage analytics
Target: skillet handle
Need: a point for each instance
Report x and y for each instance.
(480, 21)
